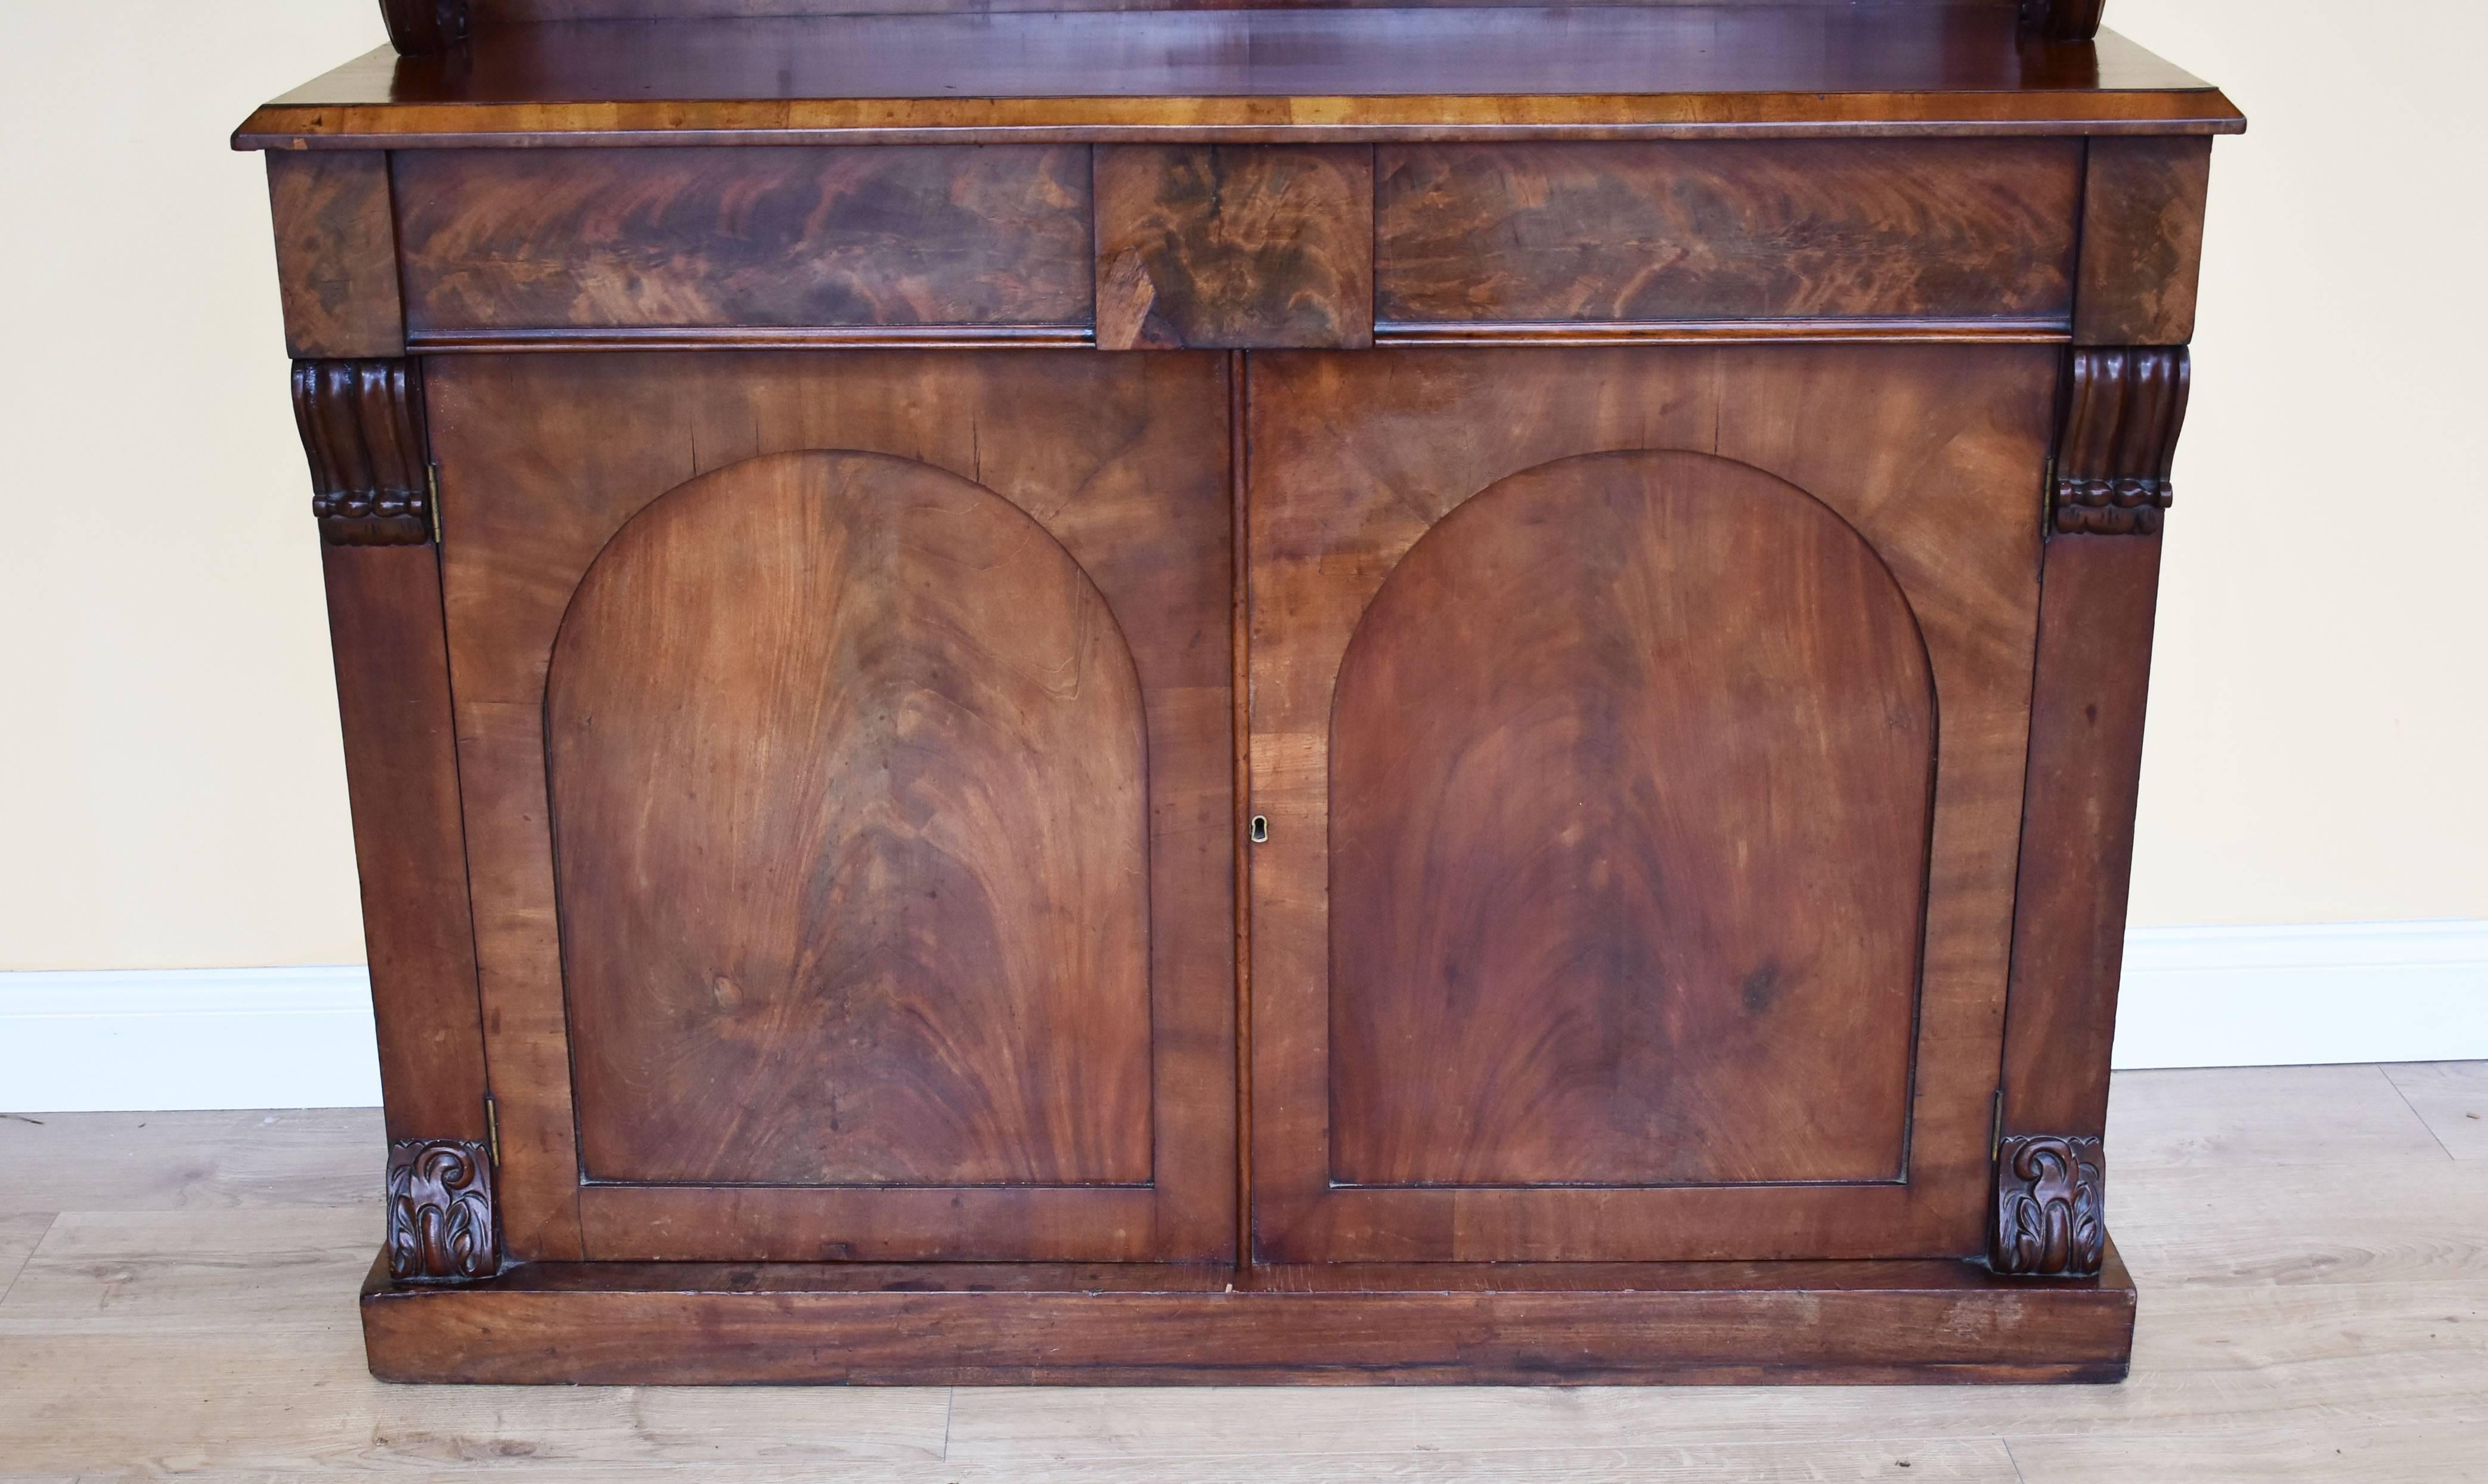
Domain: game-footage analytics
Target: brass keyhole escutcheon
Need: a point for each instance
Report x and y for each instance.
(1260, 828)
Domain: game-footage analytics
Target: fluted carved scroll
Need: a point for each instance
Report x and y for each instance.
(2050, 1194)
(440, 1226)
(2062, 20)
(362, 429)
(419, 28)
(2120, 436)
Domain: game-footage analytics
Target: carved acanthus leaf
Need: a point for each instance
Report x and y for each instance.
(2051, 1193)
(441, 1215)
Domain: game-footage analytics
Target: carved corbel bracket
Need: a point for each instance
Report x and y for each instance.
(2062, 20)
(2049, 1198)
(441, 1211)
(420, 28)
(2121, 416)
(363, 428)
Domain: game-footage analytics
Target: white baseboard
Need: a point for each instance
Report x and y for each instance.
(149, 1038)
(2302, 993)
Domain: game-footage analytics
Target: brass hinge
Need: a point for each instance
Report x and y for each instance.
(1995, 1131)
(493, 1129)
(432, 488)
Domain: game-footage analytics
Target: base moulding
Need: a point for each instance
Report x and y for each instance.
(952, 1323)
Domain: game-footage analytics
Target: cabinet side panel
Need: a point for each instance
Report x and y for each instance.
(385, 622)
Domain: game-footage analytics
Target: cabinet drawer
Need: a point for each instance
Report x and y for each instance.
(1655, 233)
(494, 242)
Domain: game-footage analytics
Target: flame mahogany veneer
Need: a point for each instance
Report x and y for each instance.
(1102, 693)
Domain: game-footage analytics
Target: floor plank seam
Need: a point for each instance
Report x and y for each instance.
(2424, 1121)
(2010, 1457)
(51, 1220)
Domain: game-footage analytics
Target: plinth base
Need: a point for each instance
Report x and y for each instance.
(953, 1324)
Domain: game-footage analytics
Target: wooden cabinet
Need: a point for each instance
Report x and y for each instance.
(1051, 711)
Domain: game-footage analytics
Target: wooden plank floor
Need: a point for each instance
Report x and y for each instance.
(177, 1296)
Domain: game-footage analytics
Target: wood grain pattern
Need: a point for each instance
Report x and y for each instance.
(163, 1273)
(1162, 1324)
(1122, 463)
(1945, 503)
(336, 254)
(362, 423)
(2086, 711)
(902, 907)
(2123, 411)
(393, 701)
(1631, 757)
(192, 1161)
(1205, 245)
(501, 12)
(1800, 329)
(2229, 1118)
(1293, 74)
(763, 337)
(2142, 241)
(1720, 230)
(806, 236)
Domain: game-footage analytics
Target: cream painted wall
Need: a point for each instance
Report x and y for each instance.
(170, 788)
(2318, 742)
(170, 792)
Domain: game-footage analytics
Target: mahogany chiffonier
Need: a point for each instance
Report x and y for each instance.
(1242, 693)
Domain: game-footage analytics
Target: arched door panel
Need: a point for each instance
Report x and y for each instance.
(848, 773)
(1630, 763)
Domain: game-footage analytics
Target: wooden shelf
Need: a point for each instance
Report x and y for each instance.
(1614, 71)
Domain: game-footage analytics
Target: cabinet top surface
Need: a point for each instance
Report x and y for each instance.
(1606, 71)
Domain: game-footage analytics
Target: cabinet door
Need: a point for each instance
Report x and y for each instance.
(1640, 737)
(846, 748)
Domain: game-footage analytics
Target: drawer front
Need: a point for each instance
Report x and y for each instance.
(1686, 232)
(1235, 246)
(566, 239)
